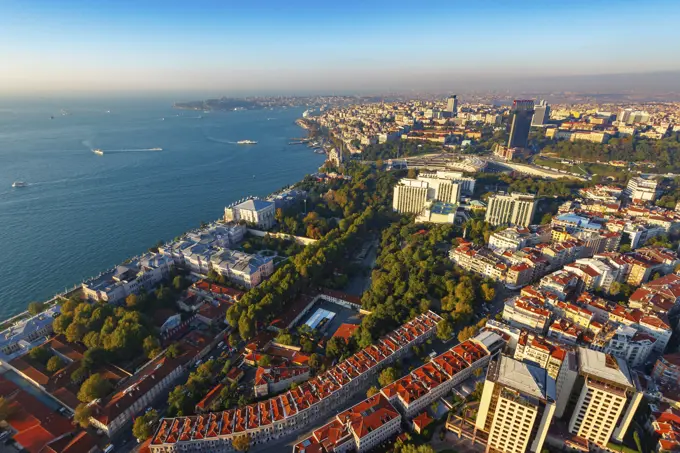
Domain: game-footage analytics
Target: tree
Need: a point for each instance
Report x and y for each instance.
(61, 323)
(246, 326)
(478, 372)
(142, 429)
(94, 387)
(264, 361)
(151, 346)
(54, 364)
(179, 402)
(387, 376)
(241, 443)
(40, 354)
(372, 391)
(178, 283)
(79, 374)
(546, 219)
(444, 329)
(466, 333)
(36, 307)
(173, 351)
(488, 292)
(75, 332)
(131, 301)
(82, 415)
(314, 361)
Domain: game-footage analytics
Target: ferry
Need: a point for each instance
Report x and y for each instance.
(98, 152)
(19, 184)
(247, 142)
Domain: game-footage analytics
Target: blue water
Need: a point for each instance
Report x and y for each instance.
(83, 213)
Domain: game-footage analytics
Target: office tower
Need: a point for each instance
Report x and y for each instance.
(607, 395)
(517, 406)
(452, 105)
(513, 209)
(410, 196)
(624, 116)
(541, 114)
(522, 112)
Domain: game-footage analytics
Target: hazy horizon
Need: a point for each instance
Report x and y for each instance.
(73, 46)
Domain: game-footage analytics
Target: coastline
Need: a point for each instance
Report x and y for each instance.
(9, 321)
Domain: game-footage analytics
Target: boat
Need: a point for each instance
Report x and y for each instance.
(98, 152)
(19, 184)
(247, 142)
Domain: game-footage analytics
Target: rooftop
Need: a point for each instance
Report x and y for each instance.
(528, 379)
(604, 366)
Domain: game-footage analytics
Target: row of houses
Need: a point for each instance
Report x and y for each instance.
(296, 408)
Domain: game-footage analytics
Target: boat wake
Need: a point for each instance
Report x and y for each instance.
(131, 150)
(219, 140)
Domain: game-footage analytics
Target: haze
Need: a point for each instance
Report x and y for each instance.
(78, 46)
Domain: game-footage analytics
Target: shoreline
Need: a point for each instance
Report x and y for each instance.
(67, 292)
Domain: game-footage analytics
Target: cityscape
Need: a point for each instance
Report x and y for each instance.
(470, 262)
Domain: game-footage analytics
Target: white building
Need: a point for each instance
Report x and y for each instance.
(242, 268)
(515, 238)
(642, 189)
(254, 211)
(513, 209)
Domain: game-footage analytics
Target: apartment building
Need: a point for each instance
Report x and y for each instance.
(410, 196)
(516, 238)
(667, 369)
(642, 189)
(260, 213)
(418, 390)
(537, 349)
(295, 409)
(608, 396)
(359, 428)
(526, 313)
(442, 188)
(624, 342)
(276, 379)
(511, 209)
(517, 406)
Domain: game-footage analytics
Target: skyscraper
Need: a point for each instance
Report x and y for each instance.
(517, 406)
(513, 209)
(452, 105)
(541, 114)
(522, 112)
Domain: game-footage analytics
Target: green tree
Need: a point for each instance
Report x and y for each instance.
(387, 376)
(466, 333)
(131, 301)
(36, 307)
(444, 329)
(79, 374)
(54, 364)
(265, 361)
(94, 387)
(372, 391)
(314, 362)
(75, 332)
(82, 415)
(40, 354)
(178, 283)
(142, 429)
(488, 292)
(179, 401)
(151, 346)
(246, 326)
(61, 323)
(173, 351)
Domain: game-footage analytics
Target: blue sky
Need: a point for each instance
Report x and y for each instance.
(53, 45)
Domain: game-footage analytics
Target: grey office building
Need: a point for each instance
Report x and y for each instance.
(541, 114)
(522, 113)
(452, 105)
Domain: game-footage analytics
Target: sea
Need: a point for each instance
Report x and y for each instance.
(82, 213)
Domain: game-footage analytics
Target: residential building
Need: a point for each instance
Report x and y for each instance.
(294, 409)
(667, 369)
(608, 397)
(276, 379)
(522, 112)
(410, 196)
(624, 342)
(359, 428)
(516, 238)
(254, 211)
(512, 209)
(642, 189)
(522, 312)
(517, 406)
(537, 349)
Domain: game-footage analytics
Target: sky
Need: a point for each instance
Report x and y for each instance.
(228, 46)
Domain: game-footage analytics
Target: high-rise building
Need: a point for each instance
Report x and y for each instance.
(522, 113)
(608, 397)
(640, 188)
(452, 105)
(517, 406)
(513, 209)
(541, 114)
(410, 196)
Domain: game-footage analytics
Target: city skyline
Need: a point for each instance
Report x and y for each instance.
(226, 47)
